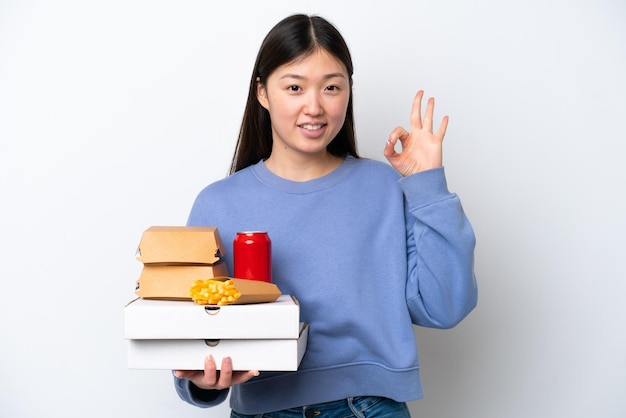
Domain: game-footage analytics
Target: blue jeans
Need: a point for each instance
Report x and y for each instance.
(359, 407)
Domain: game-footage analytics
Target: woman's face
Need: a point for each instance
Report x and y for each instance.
(307, 101)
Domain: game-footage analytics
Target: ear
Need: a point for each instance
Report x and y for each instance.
(261, 94)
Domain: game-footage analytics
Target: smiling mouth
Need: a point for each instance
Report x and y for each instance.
(310, 127)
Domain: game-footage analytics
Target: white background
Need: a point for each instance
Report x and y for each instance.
(114, 114)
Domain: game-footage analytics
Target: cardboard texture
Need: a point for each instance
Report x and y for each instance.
(263, 355)
(167, 319)
(174, 282)
(172, 245)
(253, 291)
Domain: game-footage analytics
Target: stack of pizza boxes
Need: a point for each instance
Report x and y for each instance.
(166, 329)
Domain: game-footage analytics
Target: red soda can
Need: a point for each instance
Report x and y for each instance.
(252, 253)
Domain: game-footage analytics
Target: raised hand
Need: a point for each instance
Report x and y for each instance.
(421, 148)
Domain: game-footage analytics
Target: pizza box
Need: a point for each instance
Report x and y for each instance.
(246, 354)
(178, 320)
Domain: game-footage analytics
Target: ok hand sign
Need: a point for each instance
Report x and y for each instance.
(421, 148)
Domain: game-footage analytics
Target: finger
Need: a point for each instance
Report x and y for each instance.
(189, 374)
(416, 110)
(390, 148)
(398, 133)
(182, 374)
(185, 374)
(242, 377)
(226, 373)
(210, 371)
(428, 116)
(441, 132)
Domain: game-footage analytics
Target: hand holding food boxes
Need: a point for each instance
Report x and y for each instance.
(189, 308)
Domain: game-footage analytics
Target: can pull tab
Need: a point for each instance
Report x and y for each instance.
(212, 310)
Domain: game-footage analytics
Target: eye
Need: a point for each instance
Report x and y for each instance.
(333, 89)
(294, 88)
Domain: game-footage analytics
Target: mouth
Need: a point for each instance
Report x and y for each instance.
(312, 127)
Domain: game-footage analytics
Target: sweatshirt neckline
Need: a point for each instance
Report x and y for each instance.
(301, 187)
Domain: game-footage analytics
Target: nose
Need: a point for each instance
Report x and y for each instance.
(313, 105)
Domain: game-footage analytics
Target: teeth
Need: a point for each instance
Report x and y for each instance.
(312, 127)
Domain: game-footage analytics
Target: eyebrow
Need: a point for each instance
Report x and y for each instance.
(326, 77)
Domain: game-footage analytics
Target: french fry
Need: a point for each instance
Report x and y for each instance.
(214, 292)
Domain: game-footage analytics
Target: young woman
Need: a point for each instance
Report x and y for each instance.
(367, 248)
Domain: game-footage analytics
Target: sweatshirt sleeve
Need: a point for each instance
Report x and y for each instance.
(441, 285)
(198, 397)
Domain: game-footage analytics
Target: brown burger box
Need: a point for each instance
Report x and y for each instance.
(174, 282)
(180, 245)
(174, 257)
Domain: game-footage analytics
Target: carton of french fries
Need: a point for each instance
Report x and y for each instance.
(232, 291)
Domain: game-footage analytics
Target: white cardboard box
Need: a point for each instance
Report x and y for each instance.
(246, 354)
(183, 320)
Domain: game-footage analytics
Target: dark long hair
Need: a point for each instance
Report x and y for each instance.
(294, 37)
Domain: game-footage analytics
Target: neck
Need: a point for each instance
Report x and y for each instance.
(303, 169)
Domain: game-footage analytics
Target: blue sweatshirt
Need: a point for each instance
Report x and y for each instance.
(367, 253)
